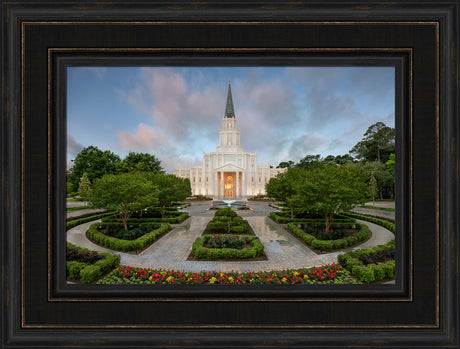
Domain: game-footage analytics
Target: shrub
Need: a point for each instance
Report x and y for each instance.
(238, 229)
(384, 223)
(201, 252)
(86, 272)
(125, 245)
(73, 269)
(329, 245)
(371, 272)
(227, 212)
(75, 222)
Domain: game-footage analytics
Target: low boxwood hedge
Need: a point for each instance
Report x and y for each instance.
(125, 245)
(281, 218)
(370, 272)
(73, 223)
(382, 222)
(330, 245)
(172, 220)
(88, 273)
(201, 252)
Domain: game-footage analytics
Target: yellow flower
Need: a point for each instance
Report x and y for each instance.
(283, 280)
(230, 279)
(150, 278)
(305, 276)
(169, 279)
(163, 272)
(212, 280)
(296, 273)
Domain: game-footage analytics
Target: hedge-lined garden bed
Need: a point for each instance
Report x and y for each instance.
(330, 245)
(285, 218)
(95, 234)
(178, 218)
(254, 248)
(74, 222)
(227, 221)
(87, 266)
(370, 265)
(382, 222)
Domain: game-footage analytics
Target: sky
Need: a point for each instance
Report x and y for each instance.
(175, 113)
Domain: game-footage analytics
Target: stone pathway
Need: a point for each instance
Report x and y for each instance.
(282, 249)
(389, 215)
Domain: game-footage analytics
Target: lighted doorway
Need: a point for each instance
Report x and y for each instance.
(229, 185)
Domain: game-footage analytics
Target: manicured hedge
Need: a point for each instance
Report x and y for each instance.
(370, 272)
(386, 224)
(75, 222)
(280, 218)
(88, 273)
(125, 245)
(173, 220)
(330, 245)
(201, 252)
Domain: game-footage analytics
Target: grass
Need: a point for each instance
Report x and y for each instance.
(78, 208)
(378, 208)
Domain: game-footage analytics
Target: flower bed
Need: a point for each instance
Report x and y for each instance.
(357, 263)
(330, 245)
(87, 266)
(217, 247)
(328, 274)
(125, 245)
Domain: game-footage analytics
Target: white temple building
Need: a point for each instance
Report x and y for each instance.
(229, 172)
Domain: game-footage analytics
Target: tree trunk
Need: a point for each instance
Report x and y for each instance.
(162, 210)
(292, 212)
(328, 219)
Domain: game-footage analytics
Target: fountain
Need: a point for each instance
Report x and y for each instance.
(229, 202)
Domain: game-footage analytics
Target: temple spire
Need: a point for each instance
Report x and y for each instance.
(229, 112)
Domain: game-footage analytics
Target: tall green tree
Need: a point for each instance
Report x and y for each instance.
(95, 163)
(377, 145)
(140, 162)
(284, 187)
(310, 161)
(331, 189)
(84, 187)
(170, 189)
(124, 193)
(286, 164)
(384, 177)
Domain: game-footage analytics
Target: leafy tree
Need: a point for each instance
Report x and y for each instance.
(377, 144)
(391, 163)
(286, 164)
(124, 193)
(94, 162)
(170, 189)
(140, 162)
(332, 188)
(373, 188)
(69, 188)
(84, 187)
(309, 161)
(384, 177)
(284, 187)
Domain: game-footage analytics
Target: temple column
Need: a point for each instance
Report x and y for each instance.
(243, 185)
(237, 182)
(222, 185)
(216, 180)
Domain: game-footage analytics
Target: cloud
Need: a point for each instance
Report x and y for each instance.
(307, 144)
(99, 72)
(73, 147)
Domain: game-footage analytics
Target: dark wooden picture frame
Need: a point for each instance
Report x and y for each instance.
(41, 39)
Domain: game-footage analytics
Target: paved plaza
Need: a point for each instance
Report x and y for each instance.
(282, 249)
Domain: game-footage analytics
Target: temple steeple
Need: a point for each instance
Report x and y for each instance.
(229, 112)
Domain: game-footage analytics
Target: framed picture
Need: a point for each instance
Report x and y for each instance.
(411, 47)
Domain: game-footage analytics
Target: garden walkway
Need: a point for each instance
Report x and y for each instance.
(282, 249)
